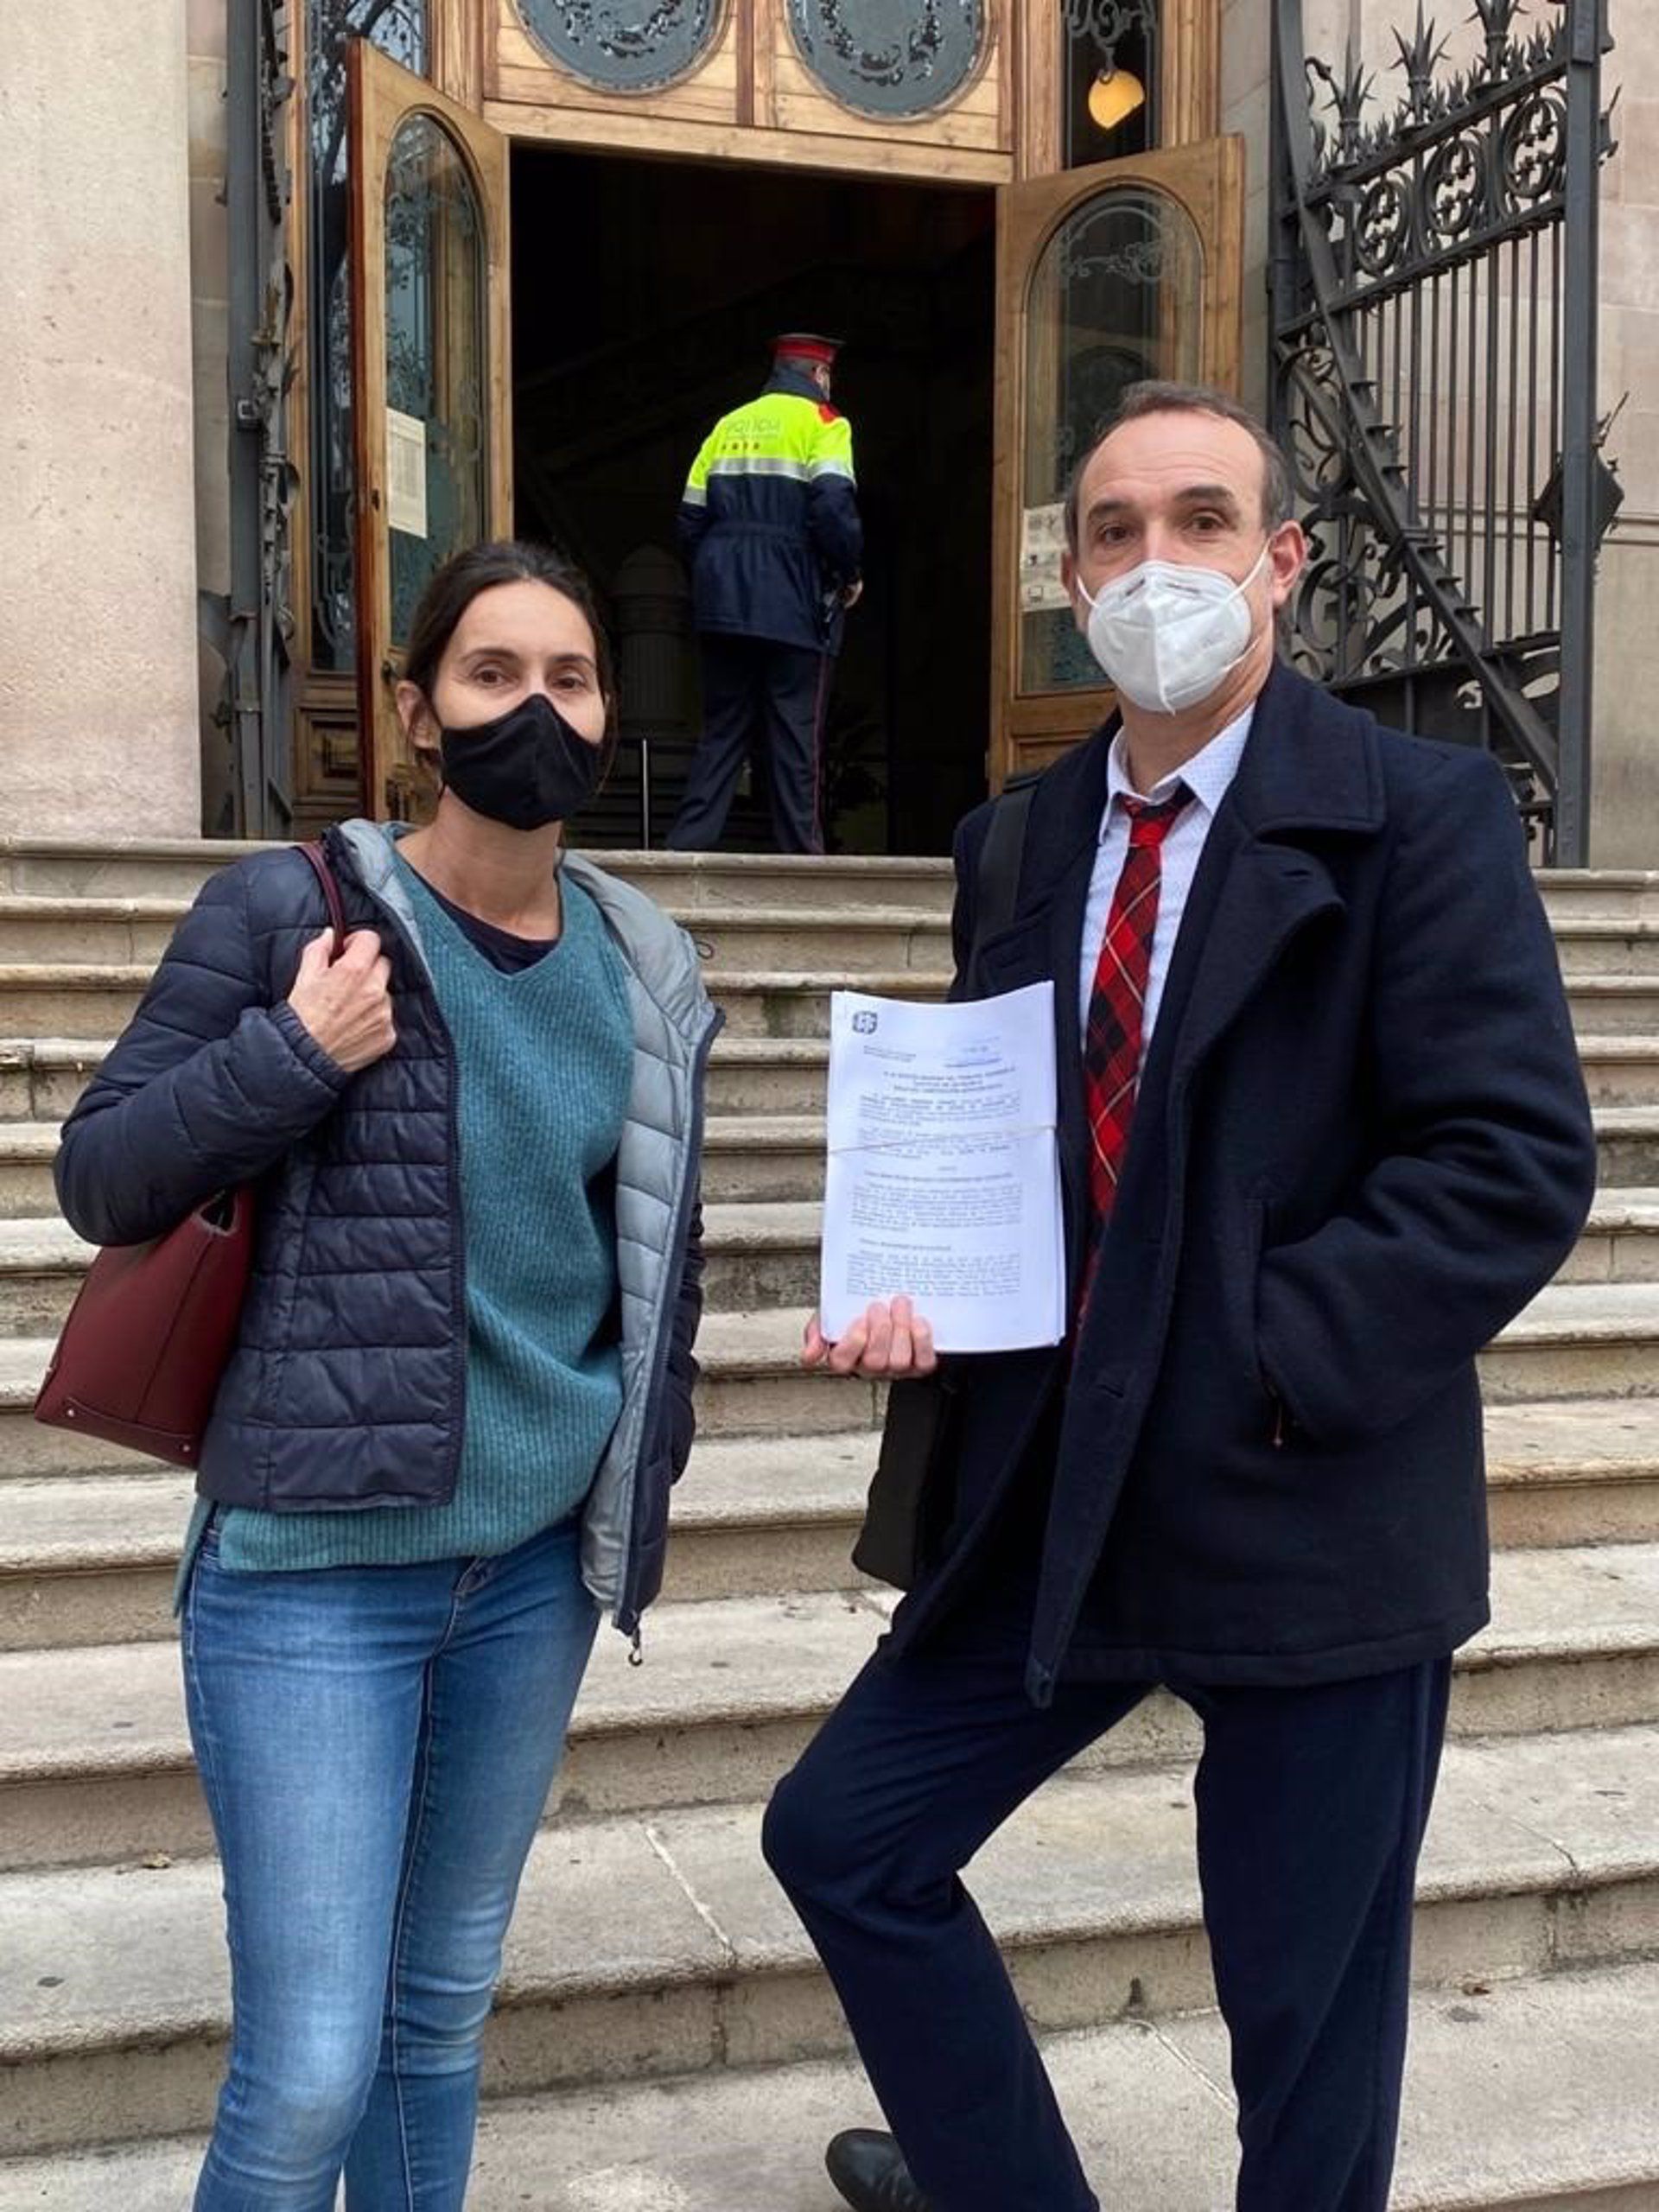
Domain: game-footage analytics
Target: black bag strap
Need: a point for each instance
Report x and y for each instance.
(997, 885)
(325, 876)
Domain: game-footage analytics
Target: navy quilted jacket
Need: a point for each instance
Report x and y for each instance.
(346, 1388)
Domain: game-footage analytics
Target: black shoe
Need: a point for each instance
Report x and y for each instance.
(868, 2170)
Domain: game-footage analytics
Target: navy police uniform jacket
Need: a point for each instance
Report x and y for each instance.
(769, 519)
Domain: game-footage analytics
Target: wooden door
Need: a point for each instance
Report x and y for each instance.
(1105, 275)
(430, 374)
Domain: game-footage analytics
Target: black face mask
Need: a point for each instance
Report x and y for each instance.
(525, 768)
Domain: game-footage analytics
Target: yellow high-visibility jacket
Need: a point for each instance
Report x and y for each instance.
(769, 519)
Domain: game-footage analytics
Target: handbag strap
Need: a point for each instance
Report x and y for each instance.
(325, 876)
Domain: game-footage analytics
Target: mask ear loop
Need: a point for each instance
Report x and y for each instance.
(1091, 600)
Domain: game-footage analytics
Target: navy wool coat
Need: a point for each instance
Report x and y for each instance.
(1361, 1145)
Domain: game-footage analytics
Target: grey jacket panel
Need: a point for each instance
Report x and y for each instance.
(656, 1168)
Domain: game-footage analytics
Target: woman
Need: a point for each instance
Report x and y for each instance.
(462, 1384)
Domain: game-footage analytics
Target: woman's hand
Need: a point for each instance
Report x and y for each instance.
(346, 1005)
(890, 1342)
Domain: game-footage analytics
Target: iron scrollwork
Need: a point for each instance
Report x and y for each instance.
(1107, 23)
(624, 46)
(251, 628)
(1421, 339)
(890, 57)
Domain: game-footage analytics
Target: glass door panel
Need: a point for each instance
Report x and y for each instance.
(1105, 276)
(429, 373)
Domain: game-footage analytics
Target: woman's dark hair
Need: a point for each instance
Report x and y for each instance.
(480, 568)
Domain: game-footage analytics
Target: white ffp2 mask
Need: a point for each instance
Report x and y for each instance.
(1168, 636)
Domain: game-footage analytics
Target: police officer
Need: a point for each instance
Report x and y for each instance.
(769, 523)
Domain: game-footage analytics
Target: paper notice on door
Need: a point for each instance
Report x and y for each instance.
(405, 473)
(942, 1180)
(1042, 541)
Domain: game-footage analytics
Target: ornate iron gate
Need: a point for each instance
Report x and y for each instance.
(1434, 312)
(252, 626)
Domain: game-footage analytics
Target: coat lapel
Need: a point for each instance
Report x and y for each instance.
(1266, 894)
(1309, 771)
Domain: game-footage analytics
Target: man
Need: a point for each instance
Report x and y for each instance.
(769, 523)
(1323, 1134)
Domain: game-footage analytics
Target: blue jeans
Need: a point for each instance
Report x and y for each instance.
(376, 1745)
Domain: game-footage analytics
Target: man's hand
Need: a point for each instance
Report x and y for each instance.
(889, 1342)
(851, 593)
(346, 1006)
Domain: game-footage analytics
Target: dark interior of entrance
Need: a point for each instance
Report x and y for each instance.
(644, 295)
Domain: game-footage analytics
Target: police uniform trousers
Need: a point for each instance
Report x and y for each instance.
(1310, 1806)
(765, 701)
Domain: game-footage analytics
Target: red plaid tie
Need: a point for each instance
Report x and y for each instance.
(1111, 1050)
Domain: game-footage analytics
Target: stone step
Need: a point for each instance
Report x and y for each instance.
(1599, 944)
(764, 1251)
(27, 1151)
(663, 1947)
(1584, 1471)
(1605, 892)
(1533, 2095)
(88, 1558)
(1576, 1340)
(788, 1003)
(1613, 1006)
(1627, 1144)
(776, 1157)
(786, 1074)
(95, 1762)
(46, 933)
(118, 931)
(64, 869)
(1620, 1242)
(177, 870)
(1620, 1070)
(40, 1079)
(85, 1001)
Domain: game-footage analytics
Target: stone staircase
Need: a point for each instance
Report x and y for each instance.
(664, 2042)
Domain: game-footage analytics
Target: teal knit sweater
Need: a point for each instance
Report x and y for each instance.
(544, 1060)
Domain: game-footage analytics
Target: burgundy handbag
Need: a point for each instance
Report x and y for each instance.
(140, 1358)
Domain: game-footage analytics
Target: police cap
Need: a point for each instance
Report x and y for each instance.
(806, 345)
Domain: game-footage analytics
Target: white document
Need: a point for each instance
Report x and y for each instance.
(943, 1180)
(405, 473)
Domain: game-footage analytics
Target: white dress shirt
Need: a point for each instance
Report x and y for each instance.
(1207, 776)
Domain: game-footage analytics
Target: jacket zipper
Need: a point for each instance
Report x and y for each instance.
(626, 1616)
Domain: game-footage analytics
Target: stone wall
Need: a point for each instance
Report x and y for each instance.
(1625, 780)
(98, 694)
(209, 342)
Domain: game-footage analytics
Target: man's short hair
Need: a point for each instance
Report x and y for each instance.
(1156, 397)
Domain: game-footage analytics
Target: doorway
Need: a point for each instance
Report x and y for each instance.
(644, 295)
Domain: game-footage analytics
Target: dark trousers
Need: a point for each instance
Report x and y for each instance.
(1311, 1809)
(760, 701)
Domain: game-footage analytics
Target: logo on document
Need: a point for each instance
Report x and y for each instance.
(864, 1023)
